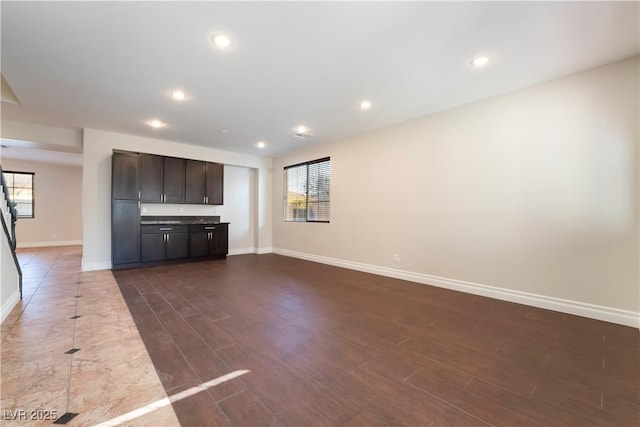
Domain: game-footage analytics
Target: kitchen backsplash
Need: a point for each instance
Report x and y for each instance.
(162, 209)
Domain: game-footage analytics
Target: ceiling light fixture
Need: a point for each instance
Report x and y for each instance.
(261, 144)
(156, 124)
(178, 95)
(221, 41)
(302, 132)
(365, 105)
(480, 61)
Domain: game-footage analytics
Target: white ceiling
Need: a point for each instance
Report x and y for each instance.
(20, 150)
(112, 65)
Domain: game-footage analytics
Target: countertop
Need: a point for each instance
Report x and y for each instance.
(180, 220)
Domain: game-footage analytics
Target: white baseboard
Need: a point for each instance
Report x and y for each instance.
(267, 250)
(48, 244)
(99, 265)
(242, 251)
(9, 304)
(607, 314)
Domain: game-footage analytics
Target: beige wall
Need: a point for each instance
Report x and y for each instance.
(58, 204)
(530, 196)
(98, 147)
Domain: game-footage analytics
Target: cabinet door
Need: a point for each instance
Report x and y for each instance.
(125, 176)
(125, 240)
(215, 183)
(194, 191)
(199, 244)
(220, 240)
(173, 180)
(153, 247)
(177, 245)
(151, 171)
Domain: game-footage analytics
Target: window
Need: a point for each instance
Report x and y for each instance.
(307, 191)
(20, 185)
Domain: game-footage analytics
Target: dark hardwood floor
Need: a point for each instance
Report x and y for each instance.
(334, 347)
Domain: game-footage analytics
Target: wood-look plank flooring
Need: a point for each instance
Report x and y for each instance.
(325, 346)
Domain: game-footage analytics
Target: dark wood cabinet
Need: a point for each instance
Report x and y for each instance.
(177, 245)
(159, 243)
(208, 240)
(149, 178)
(125, 225)
(220, 240)
(162, 179)
(125, 176)
(214, 183)
(152, 247)
(125, 208)
(204, 182)
(195, 182)
(151, 170)
(173, 180)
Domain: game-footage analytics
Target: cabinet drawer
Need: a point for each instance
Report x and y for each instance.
(159, 229)
(206, 228)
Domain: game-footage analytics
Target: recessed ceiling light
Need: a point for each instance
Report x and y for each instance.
(221, 41)
(301, 129)
(155, 123)
(178, 95)
(261, 144)
(365, 105)
(480, 61)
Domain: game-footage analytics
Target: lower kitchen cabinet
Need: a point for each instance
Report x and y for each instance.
(208, 240)
(160, 242)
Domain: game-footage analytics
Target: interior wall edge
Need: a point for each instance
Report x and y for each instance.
(9, 304)
(98, 265)
(49, 244)
(598, 312)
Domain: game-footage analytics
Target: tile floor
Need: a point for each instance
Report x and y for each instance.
(110, 374)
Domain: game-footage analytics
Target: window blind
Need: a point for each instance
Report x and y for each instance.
(307, 188)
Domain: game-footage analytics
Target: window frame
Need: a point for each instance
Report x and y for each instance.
(306, 195)
(12, 187)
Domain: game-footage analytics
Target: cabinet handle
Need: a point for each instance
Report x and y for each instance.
(166, 228)
(138, 194)
(167, 237)
(209, 228)
(206, 199)
(164, 238)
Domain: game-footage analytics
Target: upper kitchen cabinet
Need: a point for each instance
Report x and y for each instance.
(205, 182)
(125, 176)
(173, 180)
(162, 179)
(214, 178)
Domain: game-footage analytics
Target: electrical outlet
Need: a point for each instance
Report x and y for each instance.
(181, 209)
(396, 257)
(144, 210)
